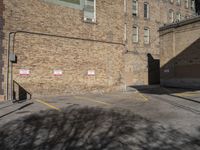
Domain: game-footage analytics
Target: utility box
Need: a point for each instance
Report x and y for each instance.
(13, 57)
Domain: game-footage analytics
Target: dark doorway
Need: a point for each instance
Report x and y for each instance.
(153, 70)
(19, 93)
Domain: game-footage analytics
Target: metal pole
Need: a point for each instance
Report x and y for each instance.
(11, 82)
(7, 73)
(11, 69)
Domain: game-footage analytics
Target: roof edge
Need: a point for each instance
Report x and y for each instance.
(179, 24)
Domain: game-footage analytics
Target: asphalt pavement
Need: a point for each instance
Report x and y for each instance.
(169, 109)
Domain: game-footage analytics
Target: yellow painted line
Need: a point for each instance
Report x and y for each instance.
(49, 105)
(144, 97)
(92, 100)
(181, 94)
(186, 94)
(191, 93)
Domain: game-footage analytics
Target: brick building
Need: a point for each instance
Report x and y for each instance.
(76, 46)
(144, 19)
(180, 54)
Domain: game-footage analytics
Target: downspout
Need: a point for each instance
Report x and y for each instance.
(125, 42)
(11, 70)
(9, 64)
(125, 26)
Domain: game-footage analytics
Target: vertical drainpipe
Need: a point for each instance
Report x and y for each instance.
(11, 71)
(7, 72)
(9, 75)
(174, 50)
(125, 35)
(125, 25)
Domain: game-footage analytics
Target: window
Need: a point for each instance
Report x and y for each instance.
(171, 16)
(178, 16)
(146, 10)
(178, 2)
(77, 4)
(135, 34)
(193, 4)
(72, 1)
(135, 7)
(146, 36)
(90, 11)
(186, 3)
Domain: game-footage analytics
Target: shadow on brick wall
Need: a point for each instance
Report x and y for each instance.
(2, 8)
(184, 66)
(19, 93)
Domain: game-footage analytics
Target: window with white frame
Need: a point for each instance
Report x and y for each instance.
(72, 1)
(146, 10)
(193, 4)
(76, 4)
(178, 16)
(178, 2)
(146, 36)
(171, 16)
(90, 11)
(186, 3)
(135, 7)
(135, 34)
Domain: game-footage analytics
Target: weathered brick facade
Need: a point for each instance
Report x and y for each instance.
(42, 54)
(99, 46)
(136, 59)
(180, 54)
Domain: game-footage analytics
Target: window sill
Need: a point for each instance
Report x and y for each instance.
(147, 45)
(90, 22)
(134, 15)
(135, 42)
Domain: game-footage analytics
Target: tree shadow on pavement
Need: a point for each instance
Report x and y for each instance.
(84, 128)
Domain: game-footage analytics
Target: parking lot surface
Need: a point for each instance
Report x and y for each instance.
(177, 108)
